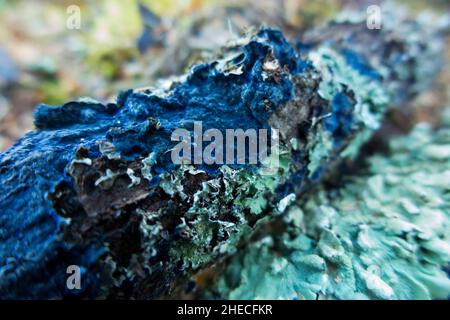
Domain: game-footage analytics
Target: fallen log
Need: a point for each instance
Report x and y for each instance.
(95, 186)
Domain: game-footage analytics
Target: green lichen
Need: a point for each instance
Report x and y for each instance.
(321, 148)
(371, 103)
(383, 235)
(223, 204)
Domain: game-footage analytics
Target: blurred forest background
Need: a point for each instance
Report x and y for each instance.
(129, 44)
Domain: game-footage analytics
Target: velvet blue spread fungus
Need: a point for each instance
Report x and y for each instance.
(94, 184)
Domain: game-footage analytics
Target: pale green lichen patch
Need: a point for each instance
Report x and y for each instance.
(107, 180)
(371, 103)
(148, 163)
(322, 146)
(134, 180)
(385, 235)
(225, 204)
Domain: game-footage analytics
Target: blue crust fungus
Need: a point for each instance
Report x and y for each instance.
(94, 184)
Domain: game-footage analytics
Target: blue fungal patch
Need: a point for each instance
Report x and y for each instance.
(340, 122)
(139, 123)
(360, 64)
